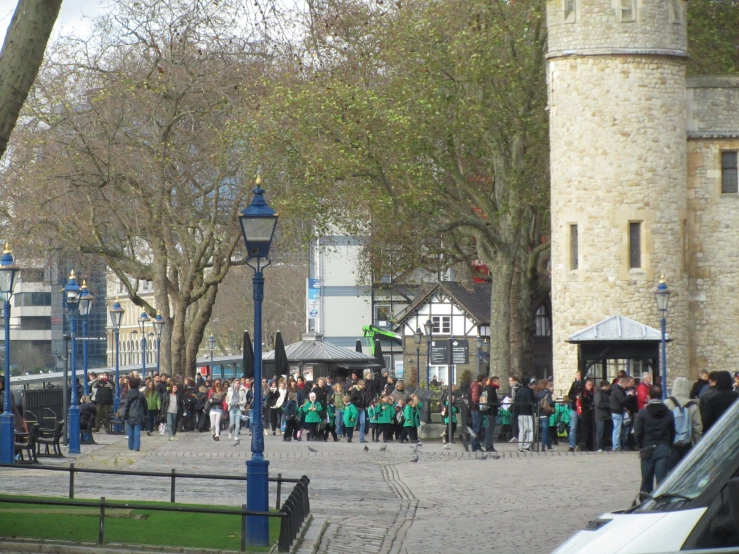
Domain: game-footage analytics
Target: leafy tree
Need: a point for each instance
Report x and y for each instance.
(127, 153)
(713, 29)
(424, 121)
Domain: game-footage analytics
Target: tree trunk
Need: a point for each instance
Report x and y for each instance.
(197, 329)
(21, 57)
(502, 271)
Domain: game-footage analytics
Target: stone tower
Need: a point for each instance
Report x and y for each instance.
(616, 79)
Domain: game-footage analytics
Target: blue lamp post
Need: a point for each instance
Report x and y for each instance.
(85, 306)
(72, 298)
(662, 295)
(8, 272)
(478, 343)
(258, 222)
(418, 338)
(212, 349)
(158, 324)
(116, 317)
(143, 320)
(429, 328)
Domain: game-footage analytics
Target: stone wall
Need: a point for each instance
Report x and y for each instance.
(605, 25)
(618, 155)
(713, 126)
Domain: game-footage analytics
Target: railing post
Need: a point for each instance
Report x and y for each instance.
(101, 530)
(243, 527)
(279, 490)
(285, 539)
(171, 487)
(71, 480)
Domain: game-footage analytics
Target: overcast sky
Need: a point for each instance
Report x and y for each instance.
(71, 17)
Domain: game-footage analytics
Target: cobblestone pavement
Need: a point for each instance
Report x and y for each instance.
(374, 502)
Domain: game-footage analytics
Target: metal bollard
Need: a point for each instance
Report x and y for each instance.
(279, 490)
(243, 527)
(171, 487)
(101, 529)
(71, 480)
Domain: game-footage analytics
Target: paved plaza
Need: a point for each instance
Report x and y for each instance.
(375, 502)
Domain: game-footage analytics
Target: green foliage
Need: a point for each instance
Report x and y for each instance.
(713, 28)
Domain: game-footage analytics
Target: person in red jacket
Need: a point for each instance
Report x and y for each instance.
(642, 391)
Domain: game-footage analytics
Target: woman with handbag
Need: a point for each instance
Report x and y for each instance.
(171, 409)
(134, 414)
(215, 402)
(277, 397)
(545, 404)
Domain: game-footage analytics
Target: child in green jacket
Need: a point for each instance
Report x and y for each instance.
(410, 424)
(312, 410)
(445, 415)
(373, 412)
(350, 418)
(387, 414)
(331, 424)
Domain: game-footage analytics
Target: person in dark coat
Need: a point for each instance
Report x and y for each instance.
(602, 403)
(617, 403)
(714, 403)
(587, 417)
(576, 390)
(654, 431)
(700, 384)
(523, 407)
(134, 413)
(491, 411)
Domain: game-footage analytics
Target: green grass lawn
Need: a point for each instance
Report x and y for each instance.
(126, 526)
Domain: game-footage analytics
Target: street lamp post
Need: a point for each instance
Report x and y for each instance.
(662, 296)
(116, 317)
(72, 298)
(212, 349)
(418, 337)
(158, 324)
(85, 306)
(258, 222)
(8, 272)
(143, 320)
(478, 342)
(429, 328)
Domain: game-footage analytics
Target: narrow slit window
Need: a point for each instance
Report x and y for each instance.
(627, 10)
(675, 11)
(729, 172)
(635, 244)
(573, 247)
(570, 11)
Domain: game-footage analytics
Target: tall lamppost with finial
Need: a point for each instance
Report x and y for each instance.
(258, 222)
(8, 273)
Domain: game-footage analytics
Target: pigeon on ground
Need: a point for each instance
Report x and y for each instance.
(414, 460)
(419, 444)
(366, 448)
(311, 449)
(483, 457)
(236, 443)
(383, 448)
(447, 447)
(496, 457)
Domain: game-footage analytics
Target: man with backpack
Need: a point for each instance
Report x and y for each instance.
(475, 393)
(688, 425)
(654, 432)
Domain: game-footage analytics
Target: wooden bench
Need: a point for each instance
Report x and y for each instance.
(50, 438)
(26, 442)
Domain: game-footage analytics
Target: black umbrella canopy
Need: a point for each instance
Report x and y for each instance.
(281, 365)
(248, 356)
(358, 346)
(378, 354)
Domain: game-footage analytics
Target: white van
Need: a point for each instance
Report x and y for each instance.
(695, 509)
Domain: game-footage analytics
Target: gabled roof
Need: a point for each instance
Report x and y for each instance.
(617, 328)
(312, 349)
(474, 301)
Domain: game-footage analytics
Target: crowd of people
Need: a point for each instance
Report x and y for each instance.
(378, 408)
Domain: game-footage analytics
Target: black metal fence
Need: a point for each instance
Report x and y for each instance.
(292, 513)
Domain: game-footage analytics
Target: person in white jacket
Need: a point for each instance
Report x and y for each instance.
(236, 402)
